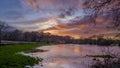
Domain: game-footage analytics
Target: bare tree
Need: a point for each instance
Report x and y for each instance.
(110, 58)
(110, 8)
(3, 25)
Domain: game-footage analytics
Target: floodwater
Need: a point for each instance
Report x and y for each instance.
(69, 55)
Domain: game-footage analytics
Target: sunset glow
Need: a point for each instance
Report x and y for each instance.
(59, 33)
(58, 17)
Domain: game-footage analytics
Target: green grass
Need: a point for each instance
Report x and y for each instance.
(10, 59)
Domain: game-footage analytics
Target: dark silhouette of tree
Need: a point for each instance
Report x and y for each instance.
(18, 35)
(109, 8)
(3, 25)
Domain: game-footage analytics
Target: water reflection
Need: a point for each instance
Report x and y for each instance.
(66, 55)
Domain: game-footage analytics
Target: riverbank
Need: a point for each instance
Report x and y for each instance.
(9, 57)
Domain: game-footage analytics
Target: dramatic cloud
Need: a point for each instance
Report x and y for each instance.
(58, 17)
(81, 28)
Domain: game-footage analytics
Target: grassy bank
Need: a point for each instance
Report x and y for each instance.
(10, 59)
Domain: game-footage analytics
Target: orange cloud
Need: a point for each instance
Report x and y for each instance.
(60, 4)
(83, 30)
(75, 28)
(32, 3)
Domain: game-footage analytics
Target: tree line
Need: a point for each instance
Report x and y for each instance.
(18, 35)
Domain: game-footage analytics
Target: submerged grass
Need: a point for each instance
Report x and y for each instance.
(101, 56)
(10, 59)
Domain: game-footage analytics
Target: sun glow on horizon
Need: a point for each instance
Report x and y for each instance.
(47, 24)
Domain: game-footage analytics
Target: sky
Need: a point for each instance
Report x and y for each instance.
(58, 17)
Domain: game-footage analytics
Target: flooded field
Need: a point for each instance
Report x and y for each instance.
(69, 55)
